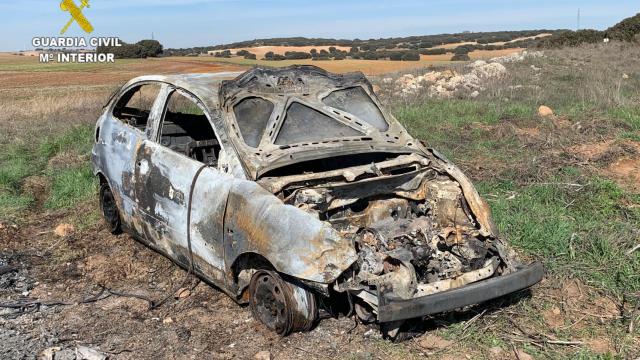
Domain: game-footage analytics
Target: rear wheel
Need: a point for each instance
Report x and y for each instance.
(282, 306)
(109, 209)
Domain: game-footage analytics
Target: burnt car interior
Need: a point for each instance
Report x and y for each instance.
(186, 130)
(134, 106)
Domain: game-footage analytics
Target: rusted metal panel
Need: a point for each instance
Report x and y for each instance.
(293, 241)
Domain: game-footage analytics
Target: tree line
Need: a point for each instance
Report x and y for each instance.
(626, 30)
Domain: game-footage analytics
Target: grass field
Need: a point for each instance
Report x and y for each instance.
(563, 189)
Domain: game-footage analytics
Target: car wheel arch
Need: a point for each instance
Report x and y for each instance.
(242, 269)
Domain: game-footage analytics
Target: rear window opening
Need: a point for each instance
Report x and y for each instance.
(330, 164)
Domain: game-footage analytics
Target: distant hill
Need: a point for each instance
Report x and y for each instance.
(507, 39)
(626, 30)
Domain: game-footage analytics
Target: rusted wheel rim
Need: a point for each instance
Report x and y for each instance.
(269, 303)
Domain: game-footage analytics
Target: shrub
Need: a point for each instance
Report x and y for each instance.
(437, 51)
(411, 56)
(296, 55)
(573, 38)
(460, 57)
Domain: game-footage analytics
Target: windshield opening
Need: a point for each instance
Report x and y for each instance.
(303, 124)
(356, 101)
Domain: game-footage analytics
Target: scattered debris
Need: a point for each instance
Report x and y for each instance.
(262, 355)
(80, 353)
(553, 317)
(433, 342)
(448, 83)
(545, 111)
(521, 355)
(183, 293)
(518, 57)
(86, 353)
(4, 269)
(63, 230)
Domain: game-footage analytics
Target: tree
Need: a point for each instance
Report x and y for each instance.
(150, 48)
(269, 55)
(141, 49)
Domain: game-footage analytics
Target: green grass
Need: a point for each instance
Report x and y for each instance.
(78, 140)
(455, 127)
(71, 186)
(630, 115)
(577, 230)
(12, 203)
(68, 186)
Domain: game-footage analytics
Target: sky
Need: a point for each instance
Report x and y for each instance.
(188, 23)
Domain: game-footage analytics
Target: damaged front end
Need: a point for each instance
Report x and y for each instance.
(424, 238)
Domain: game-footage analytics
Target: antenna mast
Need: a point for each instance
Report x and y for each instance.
(578, 20)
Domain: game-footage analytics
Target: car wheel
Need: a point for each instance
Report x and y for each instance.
(109, 209)
(282, 306)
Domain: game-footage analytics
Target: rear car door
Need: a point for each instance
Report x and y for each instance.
(119, 137)
(178, 159)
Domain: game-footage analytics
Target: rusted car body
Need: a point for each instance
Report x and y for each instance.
(293, 189)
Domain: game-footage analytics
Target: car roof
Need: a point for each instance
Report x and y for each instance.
(205, 86)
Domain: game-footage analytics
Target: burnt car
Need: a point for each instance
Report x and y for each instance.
(294, 191)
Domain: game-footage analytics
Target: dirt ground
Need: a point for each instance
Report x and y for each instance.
(83, 265)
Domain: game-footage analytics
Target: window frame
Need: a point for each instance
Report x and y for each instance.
(122, 92)
(156, 135)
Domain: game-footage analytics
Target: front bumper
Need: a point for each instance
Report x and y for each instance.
(391, 309)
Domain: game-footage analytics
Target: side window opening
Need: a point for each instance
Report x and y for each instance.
(252, 115)
(303, 123)
(356, 101)
(186, 130)
(134, 106)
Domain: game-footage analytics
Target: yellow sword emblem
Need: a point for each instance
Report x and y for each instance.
(76, 14)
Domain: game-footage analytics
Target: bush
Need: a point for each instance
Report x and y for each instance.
(460, 57)
(250, 56)
(395, 56)
(437, 51)
(411, 56)
(573, 38)
(223, 54)
(297, 55)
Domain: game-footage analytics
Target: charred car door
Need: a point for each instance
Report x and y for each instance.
(119, 136)
(175, 172)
